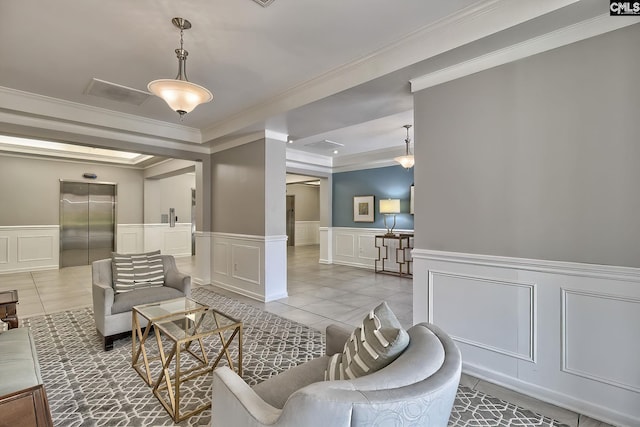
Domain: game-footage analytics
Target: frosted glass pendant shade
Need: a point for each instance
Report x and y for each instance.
(407, 161)
(181, 95)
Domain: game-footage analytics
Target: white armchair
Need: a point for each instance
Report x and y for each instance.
(418, 388)
(112, 312)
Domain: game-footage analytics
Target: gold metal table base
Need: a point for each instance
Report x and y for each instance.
(186, 337)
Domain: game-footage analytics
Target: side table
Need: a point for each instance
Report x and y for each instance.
(8, 302)
(403, 254)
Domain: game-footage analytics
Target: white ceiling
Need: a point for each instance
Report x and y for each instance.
(334, 70)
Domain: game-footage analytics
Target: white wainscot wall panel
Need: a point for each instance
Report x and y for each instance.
(326, 245)
(26, 248)
(357, 247)
(130, 238)
(307, 233)
(588, 338)
(204, 265)
(239, 264)
(565, 333)
(170, 240)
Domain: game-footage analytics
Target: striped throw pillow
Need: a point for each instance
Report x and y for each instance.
(372, 346)
(137, 271)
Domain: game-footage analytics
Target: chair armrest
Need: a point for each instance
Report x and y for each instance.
(235, 403)
(179, 281)
(336, 339)
(102, 302)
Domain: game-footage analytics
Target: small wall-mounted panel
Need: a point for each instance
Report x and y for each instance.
(245, 263)
(491, 314)
(345, 245)
(4, 250)
(221, 258)
(35, 248)
(590, 338)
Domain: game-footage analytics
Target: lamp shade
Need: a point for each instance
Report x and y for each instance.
(181, 95)
(407, 161)
(390, 206)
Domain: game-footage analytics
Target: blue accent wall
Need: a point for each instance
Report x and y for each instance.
(391, 182)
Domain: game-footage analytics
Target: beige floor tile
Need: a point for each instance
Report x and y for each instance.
(30, 309)
(560, 414)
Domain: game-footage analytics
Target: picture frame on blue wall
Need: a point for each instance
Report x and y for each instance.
(363, 208)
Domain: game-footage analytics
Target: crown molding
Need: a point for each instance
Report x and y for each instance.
(472, 23)
(27, 103)
(72, 132)
(583, 30)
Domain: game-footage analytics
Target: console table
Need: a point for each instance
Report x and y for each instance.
(403, 254)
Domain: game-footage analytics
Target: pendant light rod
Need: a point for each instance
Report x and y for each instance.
(179, 93)
(181, 53)
(408, 140)
(407, 161)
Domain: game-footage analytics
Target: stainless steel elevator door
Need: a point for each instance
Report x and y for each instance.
(87, 222)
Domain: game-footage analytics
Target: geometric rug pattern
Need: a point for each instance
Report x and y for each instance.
(87, 386)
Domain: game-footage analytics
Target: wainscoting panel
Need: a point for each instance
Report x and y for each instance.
(26, 248)
(130, 238)
(589, 338)
(307, 233)
(246, 262)
(503, 312)
(239, 264)
(4, 250)
(326, 245)
(345, 247)
(204, 260)
(356, 247)
(565, 333)
(221, 260)
(174, 241)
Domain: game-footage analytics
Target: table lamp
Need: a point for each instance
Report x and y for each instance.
(390, 207)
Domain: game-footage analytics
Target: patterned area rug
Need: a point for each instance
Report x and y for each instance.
(89, 387)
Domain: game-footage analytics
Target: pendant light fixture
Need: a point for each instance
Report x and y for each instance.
(180, 94)
(407, 161)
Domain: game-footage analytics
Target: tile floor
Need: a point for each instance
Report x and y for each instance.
(318, 295)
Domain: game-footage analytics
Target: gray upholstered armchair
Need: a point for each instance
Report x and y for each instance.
(416, 389)
(112, 311)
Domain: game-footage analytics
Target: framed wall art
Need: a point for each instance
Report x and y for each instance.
(363, 208)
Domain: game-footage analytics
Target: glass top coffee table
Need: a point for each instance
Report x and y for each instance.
(182, 327)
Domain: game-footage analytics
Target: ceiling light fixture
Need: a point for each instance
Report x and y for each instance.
(407, 161)
(180, 94)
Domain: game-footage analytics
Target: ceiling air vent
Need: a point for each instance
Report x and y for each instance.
(263, 3)
(116, 92)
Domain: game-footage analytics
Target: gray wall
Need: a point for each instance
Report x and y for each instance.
(537, 158)
(238, 190)
(30, 189)
(172, 192)
(307, 201)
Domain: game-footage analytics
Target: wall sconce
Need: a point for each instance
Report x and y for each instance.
(390, 207)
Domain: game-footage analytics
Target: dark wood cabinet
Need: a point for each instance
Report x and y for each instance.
(25, 408)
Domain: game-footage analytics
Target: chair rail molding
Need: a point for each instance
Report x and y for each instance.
(562, 332)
